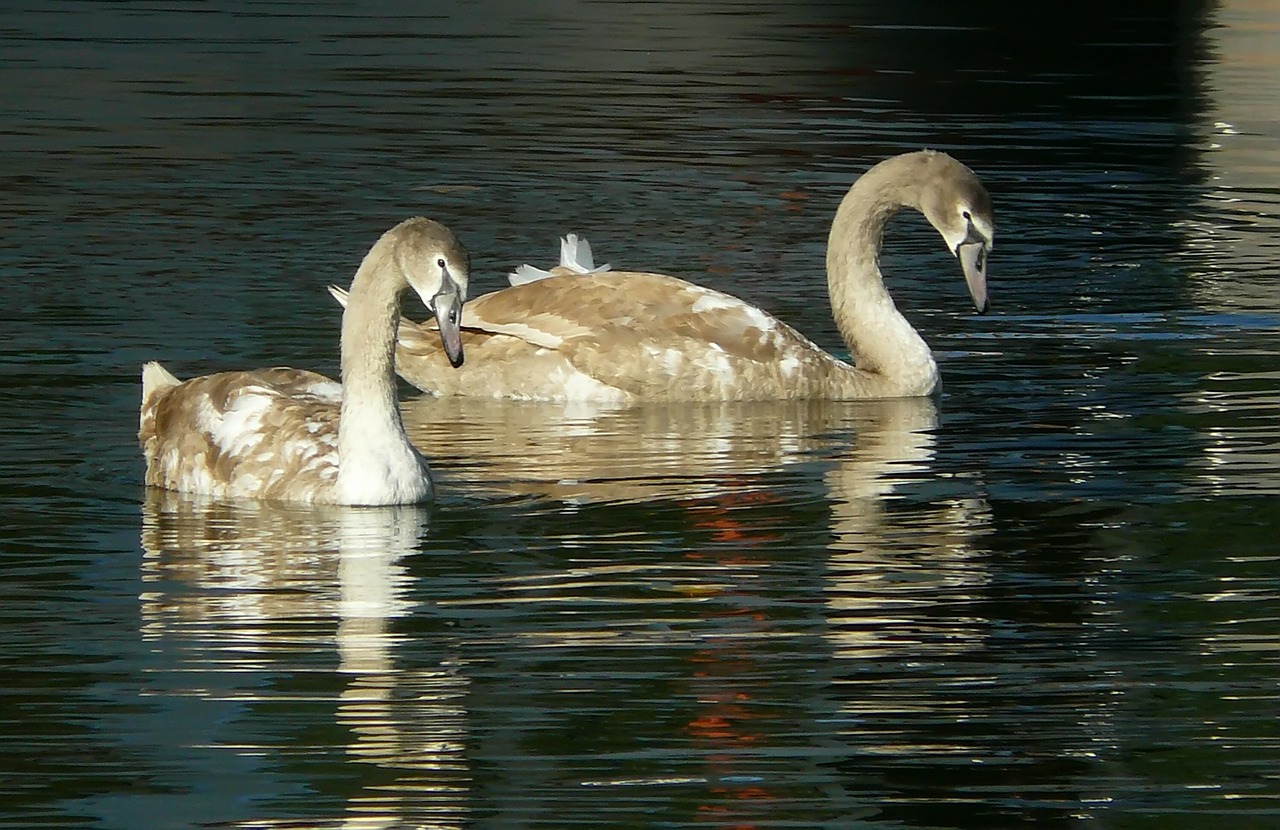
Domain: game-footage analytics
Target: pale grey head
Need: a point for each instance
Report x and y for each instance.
(955, 202)
(437, 267)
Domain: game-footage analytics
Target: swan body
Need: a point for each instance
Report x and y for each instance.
(622, 337)
(293, 435)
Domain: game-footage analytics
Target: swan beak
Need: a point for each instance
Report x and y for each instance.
(447, 306)
(973, 260)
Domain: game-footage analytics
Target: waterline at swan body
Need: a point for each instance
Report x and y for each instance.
(293, 435)
(620, 337)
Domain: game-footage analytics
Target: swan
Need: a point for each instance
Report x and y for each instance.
(586, 334)
(293, 435)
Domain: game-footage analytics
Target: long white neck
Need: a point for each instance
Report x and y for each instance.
(376, 462)
(890, 357)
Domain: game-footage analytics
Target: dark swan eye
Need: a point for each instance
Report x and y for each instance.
(966, 216)
(440, 261)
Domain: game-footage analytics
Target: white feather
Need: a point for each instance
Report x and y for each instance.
(527, 273)
(575, 257)
(575, 254)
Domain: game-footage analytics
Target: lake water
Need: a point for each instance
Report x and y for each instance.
(1047, 596)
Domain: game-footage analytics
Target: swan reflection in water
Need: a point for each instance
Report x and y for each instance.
(584, 452)
(245, 595)
(265, 589)
(884, 553)
(905, 547)
(893, 565)
(856, 456)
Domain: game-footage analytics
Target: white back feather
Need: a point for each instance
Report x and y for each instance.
(575, 254)
(575, 258)
(527, 273)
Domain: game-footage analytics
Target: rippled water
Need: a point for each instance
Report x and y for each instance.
(1047, 596)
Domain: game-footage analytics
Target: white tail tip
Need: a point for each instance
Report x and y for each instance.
(156, 378)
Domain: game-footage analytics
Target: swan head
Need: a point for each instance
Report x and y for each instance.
(959, 207)
(438, 268)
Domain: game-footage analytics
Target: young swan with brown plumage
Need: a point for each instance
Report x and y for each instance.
(622, 337)
(294, 435)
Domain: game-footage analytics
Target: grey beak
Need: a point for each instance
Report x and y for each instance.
(973, 260)
(447, 305)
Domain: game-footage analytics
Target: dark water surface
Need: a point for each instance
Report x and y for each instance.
(1047, 597)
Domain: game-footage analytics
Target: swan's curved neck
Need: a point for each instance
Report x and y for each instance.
(373, 451)
(368, 344)
(890, 357)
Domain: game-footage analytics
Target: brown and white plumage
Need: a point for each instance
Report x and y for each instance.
(294, 435)
(622, 337)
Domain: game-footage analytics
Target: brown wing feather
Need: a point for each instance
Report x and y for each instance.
(190, 443)
(647, 335)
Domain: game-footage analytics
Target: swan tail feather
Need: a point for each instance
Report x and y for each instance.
(156, 378)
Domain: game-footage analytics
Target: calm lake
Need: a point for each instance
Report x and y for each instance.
(1049, 595)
